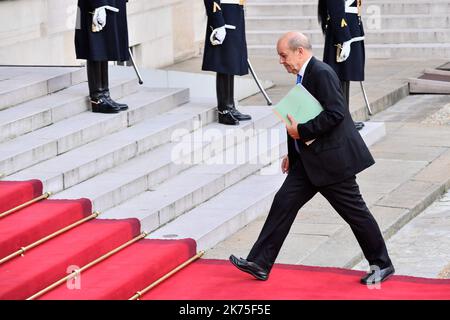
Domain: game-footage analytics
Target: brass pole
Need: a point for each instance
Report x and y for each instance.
(90, 264)
(168, 275)
(26, 204)
(51, 236)
(1, 175)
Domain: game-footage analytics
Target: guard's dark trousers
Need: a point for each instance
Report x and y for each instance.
(345, 198)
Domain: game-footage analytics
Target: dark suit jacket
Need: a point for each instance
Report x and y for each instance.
(339, 152)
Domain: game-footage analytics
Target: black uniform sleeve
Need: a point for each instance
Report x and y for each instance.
(333, 103)
(340, 28)
(214, 13)
(98, 3)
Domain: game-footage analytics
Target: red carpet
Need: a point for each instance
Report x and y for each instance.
(139, 265)
(219, 280)
(39, 220)
(129, 271)
(42, 266)
(15, 193)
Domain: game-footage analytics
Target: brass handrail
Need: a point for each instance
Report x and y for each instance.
(139, 294)
(22, 250)
(90, 264)
(26, 204)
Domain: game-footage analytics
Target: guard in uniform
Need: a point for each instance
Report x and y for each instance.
(102, 35)
(226, 53)
(344, 41)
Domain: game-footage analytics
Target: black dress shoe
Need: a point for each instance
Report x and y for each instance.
(226, 117)
(249, 267)
(102, 105)
(241, 117)
(377, 275)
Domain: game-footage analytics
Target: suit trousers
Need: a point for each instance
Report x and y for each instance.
(344, 197)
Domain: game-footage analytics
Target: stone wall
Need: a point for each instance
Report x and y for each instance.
(42, 31)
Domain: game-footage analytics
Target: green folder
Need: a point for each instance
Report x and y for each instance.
(300, 104)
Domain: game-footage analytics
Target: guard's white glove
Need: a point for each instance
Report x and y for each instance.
(345, 52)
(99, 18)
(218, 36)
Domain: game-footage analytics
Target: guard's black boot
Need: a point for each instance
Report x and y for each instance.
(359, 125)
(346, 90)
(102, 105)
(121, 106)
(223, 105)
(235, 112)
(96, 92)
(105, 86)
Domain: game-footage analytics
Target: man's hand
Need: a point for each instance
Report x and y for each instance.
(218, 36)
(345, 53)
(292, 128)
(285, 165)
(99, 18)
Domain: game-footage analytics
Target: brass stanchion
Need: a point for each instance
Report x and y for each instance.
(168, 275)
(96, 261)
(26, 204)
(49, 237)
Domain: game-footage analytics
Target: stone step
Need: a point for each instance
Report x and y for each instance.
(229, 211)
(385, 22)
(92, 159)
(140, 174)
(371, 8)
(21, 84)
(392, 36)
(63, 136)
(194, 186)
(226, 213)
(376, 51)
(45, 111)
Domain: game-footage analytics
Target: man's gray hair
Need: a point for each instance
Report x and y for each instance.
(299, 40)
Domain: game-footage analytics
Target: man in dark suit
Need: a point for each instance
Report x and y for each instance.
(101, 35)
(327, 165)
(226, 54)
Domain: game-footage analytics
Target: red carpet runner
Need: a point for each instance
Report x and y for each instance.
(39, 220)
(13, 194)
(219, 280)
(129, 271)
(140, 264)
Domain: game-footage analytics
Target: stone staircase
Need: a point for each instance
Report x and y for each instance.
(165, 161)
(160, 159)
(394, 29)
